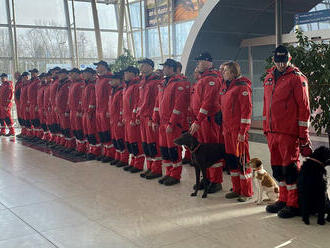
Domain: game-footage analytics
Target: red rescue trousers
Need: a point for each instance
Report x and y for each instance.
(237, 154)
(118, 134)
(284, 159)
(133, 137)
(150, 143)
(171, 153)
(6, 120)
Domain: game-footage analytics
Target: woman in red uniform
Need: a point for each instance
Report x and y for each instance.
(236, 107)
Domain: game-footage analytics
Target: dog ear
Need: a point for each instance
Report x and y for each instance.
(258, 163)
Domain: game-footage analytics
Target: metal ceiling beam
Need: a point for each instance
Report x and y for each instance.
(286, 38)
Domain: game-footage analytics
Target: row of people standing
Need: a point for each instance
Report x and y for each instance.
(138, 114)
(109, 116)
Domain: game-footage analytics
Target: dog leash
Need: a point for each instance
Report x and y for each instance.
(315, 160)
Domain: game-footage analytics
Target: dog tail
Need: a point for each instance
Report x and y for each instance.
(276, 190)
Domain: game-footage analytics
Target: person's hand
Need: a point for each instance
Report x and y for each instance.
(169, 129)
(241, 138)
(305, 147)
(120, 124)
(154, 126)
(194, 128)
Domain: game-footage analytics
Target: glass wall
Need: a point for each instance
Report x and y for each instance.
(48, 34)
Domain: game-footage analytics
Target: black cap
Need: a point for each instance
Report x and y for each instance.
(204, 56)
(24, 74)
(118, 75)
(3, 75)
(132, 69)
(281, 54)
(63, 71)
(48, 74)
(56, 68)
(89, 70)
(42, 75)
(102, 62)
(147, 61)
(75, 70)
(171, 63)
(34, 70)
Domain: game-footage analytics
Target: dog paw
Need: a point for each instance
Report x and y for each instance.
(193, 194)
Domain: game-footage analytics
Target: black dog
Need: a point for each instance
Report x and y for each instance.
(312, 186)
(203, 157)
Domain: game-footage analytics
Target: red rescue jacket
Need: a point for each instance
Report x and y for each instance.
(40, 96)
(33, 91)
(205, 96)
(75, 94)
(116, 105)
(286, 103)
(6, 94)
(148, 91)
(171, 104)
(130, 99)
(236, 105)
(88, 98)
(62, 96)
(18, 91)
(102, 92)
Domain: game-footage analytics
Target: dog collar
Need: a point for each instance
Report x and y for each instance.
(196, 148)
(317, 161)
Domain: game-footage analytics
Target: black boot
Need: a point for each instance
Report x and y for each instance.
(214, 187)
(288, 212)
(128, 168)
(275, 207)
(106, 159)
(171, 181)
(153, 176)
(121, 164)
(162, 180)
(135, 170)
(90, 156)
(186, 161)
(144, 174)
(114, 162)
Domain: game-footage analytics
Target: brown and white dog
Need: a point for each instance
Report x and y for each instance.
(265, 182)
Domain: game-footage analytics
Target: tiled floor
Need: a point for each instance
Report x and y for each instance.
(49, 202)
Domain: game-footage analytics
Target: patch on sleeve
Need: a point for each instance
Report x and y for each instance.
(245, 93)
(304, 84)
(180, 88)
(211, 83)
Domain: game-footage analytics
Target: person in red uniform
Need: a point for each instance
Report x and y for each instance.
(148, 91)
(40, 107)
(205, 106)
(102, 91)
(88, 100)
(132, 125)
(47, 108)
(286, 115)
(55, 126)
(6, 95)
(236, 107)
(32, 104)
(169, 116)
(17, 96)
(23, 105)
(116, 121)
(187, 154)
(63, 111)
(75, 106)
